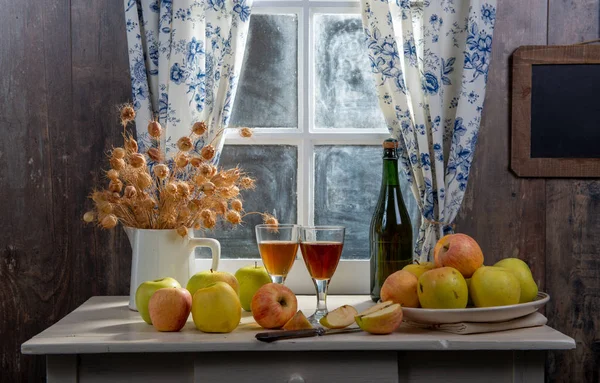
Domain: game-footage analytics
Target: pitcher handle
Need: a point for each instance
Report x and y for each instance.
(213, 245)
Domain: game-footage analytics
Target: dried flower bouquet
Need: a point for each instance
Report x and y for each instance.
(147, 191)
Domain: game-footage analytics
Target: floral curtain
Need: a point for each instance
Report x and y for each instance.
(430, 60)
(185, 58)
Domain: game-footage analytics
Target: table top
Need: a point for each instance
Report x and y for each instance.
(106, 325)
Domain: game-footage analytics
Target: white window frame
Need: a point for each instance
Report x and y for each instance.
(351, 276)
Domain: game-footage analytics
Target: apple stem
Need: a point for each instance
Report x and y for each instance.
(417, 262)
(211, 270)
(255, 264)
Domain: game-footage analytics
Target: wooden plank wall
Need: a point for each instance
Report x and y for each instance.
(64, 68)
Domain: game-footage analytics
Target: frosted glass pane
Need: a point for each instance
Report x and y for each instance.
(267, 94)
(347, 184)
(345, 94)
(275, 169)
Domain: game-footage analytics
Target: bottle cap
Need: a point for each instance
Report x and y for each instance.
(391, 143)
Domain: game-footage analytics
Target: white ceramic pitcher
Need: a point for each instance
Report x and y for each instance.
(164, 253)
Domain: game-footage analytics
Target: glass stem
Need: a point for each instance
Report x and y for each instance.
(321, 285)
(278, 279)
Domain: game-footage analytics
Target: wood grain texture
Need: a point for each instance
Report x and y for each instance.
(64, 69)
(505, 213)
(573, 231)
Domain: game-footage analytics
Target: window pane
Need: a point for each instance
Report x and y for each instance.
(345, 94)
(275, 169)
(267, 94)
(347, 183)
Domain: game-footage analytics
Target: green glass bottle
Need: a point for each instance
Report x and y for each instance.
(391, 231)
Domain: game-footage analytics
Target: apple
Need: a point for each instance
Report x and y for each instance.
(216, 308)
(339, 318)
(298, 322)
(443, 288)
(520, 269)
(383, 318)
(460, 252)
(494, 286)
(273, 305)
(419, 268)
(204, 278)
(144, 293)
(401, 287)
(169, 308)
(251, 278)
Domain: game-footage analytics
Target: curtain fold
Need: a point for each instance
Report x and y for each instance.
(430, 62)
(185, 58)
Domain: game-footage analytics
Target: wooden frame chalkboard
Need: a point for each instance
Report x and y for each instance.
(526, 60)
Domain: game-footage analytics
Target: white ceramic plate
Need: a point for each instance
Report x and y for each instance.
(475, 314)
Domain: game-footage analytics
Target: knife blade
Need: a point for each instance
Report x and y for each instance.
(272, 336)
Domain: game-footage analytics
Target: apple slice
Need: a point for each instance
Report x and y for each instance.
(377, 307)
(340, 317)
(298, 322)
(383, 320)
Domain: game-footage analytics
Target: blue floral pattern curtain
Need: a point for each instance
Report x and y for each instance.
(185, 58)
(430, 61)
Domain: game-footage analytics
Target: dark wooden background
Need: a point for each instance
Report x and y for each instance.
(63, 68)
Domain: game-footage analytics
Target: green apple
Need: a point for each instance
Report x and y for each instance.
(494, 286)
(204, 278)
(145, 291)
(251, 278)
(520, 269)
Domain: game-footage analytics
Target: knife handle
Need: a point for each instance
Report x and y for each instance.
(272, 336)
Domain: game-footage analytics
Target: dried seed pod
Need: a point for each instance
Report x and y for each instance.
(127, 114)
(208, 152)
(117, 163)
(220, 206)
(233, 217)
(213, 171)
(207, 213)
(270, 220)
(193, 207)
(246, 132)
(182, 231)
(89, 217)
(196, 162)
(205, 169)
(98, 196)
(148, 203)
(185, 144)
(209, 222)
(233, 175)
(154, 154)
(130, 191)
(109, 221)
(104, 207)
(219, 180)
(115, 186)
(228, 192)
(154, 129)
(200, 179)
(183, 189)
(208, 188)
(199, 128)
(113, 197)
(197, 225)
(118, 153)
(181, 160)
(171, 188)
(247, 183)
(137, 160)
(131, 145)
(144, 180)
(161, 171)
(237, 205)
(112, 174)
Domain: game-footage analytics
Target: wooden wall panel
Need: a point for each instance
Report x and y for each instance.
(573, 231)
(505, 213)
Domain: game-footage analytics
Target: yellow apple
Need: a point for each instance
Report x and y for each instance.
(494, 286)
(520, 269)
(204, 278)
(298, 322)
(460, 252)
(144, 293)
(401, 287)
(443, 288)
(169, 308)
(419, 268)
(216, 308)
(339, 318)
(380, 319)
(251, 278)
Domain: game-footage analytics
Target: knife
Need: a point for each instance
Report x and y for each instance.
(272, 336)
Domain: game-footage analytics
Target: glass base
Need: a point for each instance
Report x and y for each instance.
(316, 317)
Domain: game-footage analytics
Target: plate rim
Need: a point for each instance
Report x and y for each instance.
(543, 299)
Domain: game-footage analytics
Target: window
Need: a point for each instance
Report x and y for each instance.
(307, 90)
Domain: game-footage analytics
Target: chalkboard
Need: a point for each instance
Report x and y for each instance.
(565, 111)
(556, 111)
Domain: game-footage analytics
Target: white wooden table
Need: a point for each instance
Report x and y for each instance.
(103, 341)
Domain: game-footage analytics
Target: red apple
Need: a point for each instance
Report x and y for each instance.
(460, 252)
(273, 305)
(170, 308)
(401, 287)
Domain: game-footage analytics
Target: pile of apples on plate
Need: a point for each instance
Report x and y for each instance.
(457, 278)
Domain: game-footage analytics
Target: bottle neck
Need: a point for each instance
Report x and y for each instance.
(390, 168)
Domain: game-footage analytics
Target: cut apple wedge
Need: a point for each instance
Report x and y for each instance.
(340, 317)
(298, 322)
(382, 318)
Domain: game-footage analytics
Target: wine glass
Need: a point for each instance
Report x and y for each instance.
(278, 246)
(321, 248)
